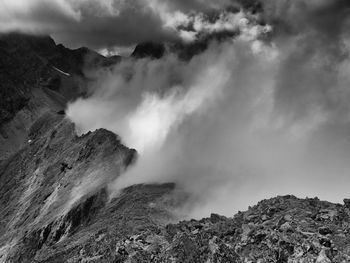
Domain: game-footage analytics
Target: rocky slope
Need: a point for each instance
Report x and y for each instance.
(54, 196)
(37, 76)
(282, 229)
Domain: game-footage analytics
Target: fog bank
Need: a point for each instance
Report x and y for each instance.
(258, 115)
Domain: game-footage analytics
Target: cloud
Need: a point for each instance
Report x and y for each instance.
(98, 24)
(174, 113)
(35, 15)
(325, 16)
(315, 34)
(249, 118)
(199, 26)
(85, 22)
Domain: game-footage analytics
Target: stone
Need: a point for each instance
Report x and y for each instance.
(347, 202)
(322, 257)
(286, 227)
(324, 231)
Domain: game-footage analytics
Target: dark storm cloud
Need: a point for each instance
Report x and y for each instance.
(37, 15)
(129, 27)
(98, 24)
(196, 5)
(85, 22)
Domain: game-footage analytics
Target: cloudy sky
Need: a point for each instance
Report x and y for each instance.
(101, 24)
(262, 112)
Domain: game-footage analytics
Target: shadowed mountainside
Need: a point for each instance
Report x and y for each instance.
(37, 76)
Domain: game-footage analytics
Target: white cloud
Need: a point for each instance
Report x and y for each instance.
(244, 120)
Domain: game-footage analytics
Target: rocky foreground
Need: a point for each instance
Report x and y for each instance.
(282, 229)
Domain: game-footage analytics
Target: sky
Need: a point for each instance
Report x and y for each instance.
(262, 112)
(101, 25)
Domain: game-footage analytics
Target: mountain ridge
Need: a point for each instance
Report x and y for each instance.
(56, 204)
(37, 76)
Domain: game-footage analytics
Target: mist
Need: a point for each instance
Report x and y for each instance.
(259, 115)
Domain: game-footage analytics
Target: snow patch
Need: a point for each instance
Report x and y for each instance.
(60, 71)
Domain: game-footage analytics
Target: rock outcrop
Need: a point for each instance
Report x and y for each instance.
(282, 229)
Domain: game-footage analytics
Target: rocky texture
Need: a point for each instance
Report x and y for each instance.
(282, 229)
(54, 197)
(131, 228)
(30, 84)
(37, 76)
(29, 62)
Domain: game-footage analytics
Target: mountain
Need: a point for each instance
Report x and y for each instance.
(149, 49)
(184, 51)
(54, 197)
(53, 183)
(37, 76)
(56, 201)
